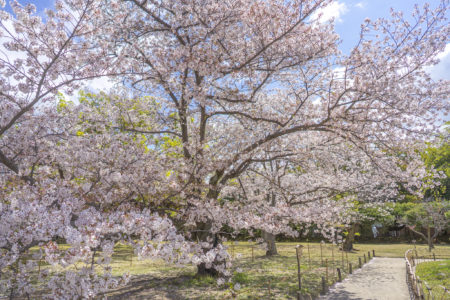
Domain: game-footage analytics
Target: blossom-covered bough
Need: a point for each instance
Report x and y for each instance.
(319, 185)
(211, 94)
(52, 175)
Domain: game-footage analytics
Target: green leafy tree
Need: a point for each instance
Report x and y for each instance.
(426, 215)
(437, 157)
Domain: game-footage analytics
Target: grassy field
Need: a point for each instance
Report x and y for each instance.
(260, 277)
(436, 274)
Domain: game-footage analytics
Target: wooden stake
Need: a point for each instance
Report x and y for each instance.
(346, 257)
(298, 252)
(131, 257)
(332, 258)
(253, 256)
(324, 286)
(321, 257)
(309, 257)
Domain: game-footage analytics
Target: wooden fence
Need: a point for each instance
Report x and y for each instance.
(336, 266)
(419, 289)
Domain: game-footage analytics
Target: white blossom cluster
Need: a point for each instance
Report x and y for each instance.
(227, 115)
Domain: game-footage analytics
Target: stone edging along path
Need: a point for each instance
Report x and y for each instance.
(380, 279)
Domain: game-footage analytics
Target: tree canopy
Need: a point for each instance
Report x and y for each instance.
(208, 94)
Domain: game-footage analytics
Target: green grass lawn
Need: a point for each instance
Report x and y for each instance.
(436, 274)
(259, 276)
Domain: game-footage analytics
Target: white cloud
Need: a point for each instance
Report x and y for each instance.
(332, 11)
(444, 53)
(100, 84)
(104, 84)
(7, 55)
(442, 69)
(339, 72)
(361, 4)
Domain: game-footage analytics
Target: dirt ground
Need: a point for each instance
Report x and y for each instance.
(381, 279)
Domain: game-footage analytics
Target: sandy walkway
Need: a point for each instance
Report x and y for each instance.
(380, 279)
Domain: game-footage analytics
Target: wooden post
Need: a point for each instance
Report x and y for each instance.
(415, 249)
(368, 254)
(365, 258)
(419, 288)
(131, 257)
(298, 251)
(434, 256)
(332, 259)
(346, 257)
(253, 256)
(342, 252)
(270, 294)
(350, 268)
(360, 264)
(299, 295)
(324, 286)
(339, 274)
(429, 294)
(373, 252)
(309, 257)
(321, 256)
(326, 269)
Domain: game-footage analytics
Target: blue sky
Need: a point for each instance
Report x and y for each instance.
(348, 14)
(351, 13)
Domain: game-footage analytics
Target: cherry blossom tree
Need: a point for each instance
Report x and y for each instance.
(228, 80)
(428, 215)
(37, 60)
(92, 188)
(329, 173)
(236, 77)
(51, 179)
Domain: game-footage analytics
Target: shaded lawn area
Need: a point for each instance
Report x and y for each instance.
(259, 276)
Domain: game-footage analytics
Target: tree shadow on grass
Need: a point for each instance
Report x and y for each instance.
(145, 287)
(173, 288)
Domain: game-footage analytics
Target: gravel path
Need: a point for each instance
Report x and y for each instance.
(380, 279)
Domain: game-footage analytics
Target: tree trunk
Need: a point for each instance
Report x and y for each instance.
(269, 238)
(427, 238)
(203, 271)
(350, 238)
(430, 239)
(203, 230)
(203, 234)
